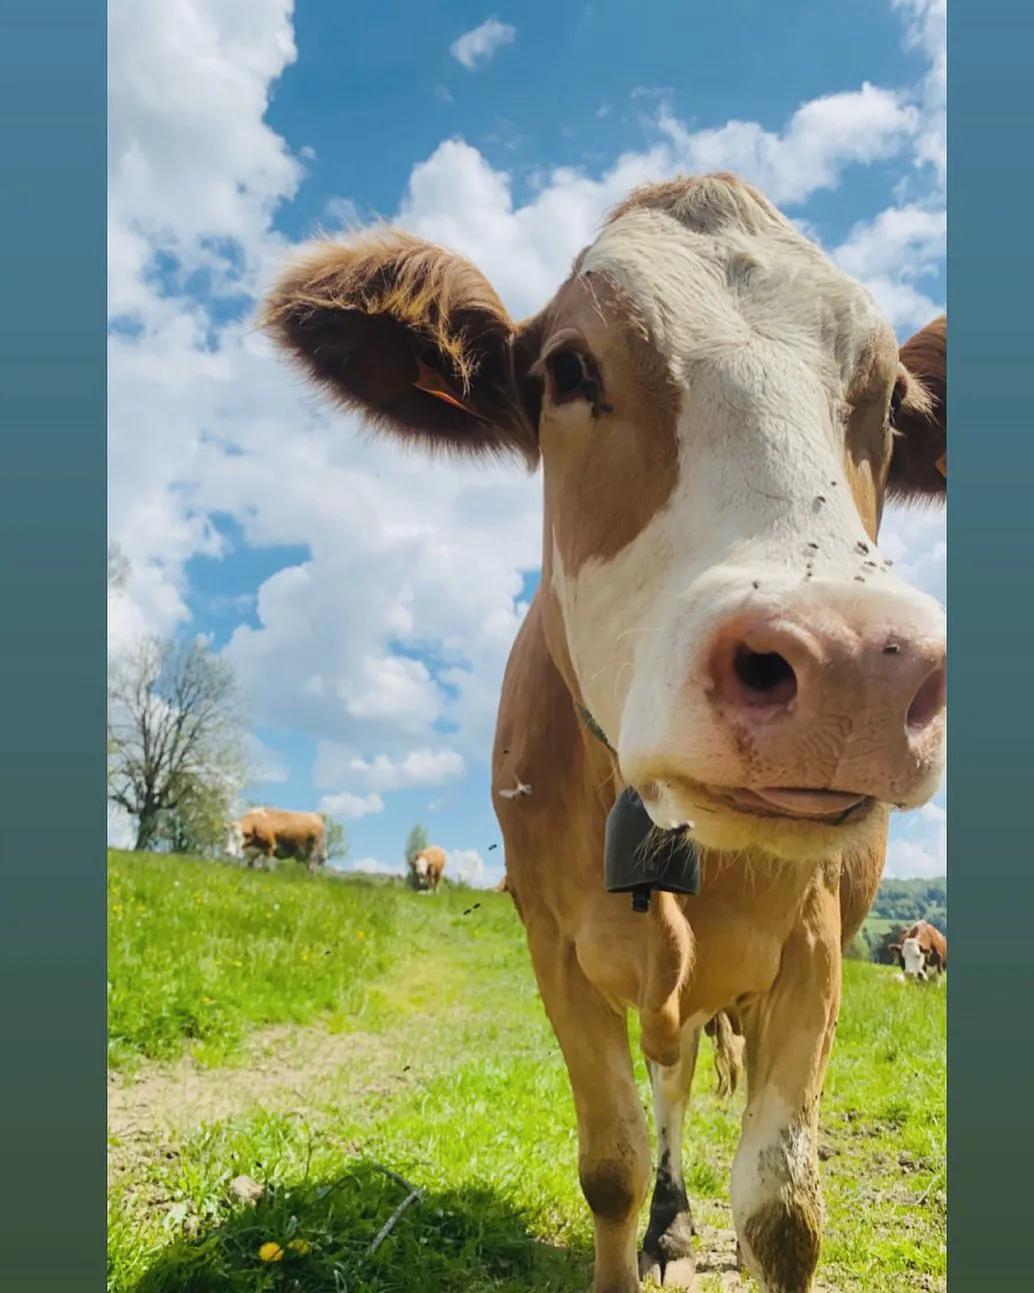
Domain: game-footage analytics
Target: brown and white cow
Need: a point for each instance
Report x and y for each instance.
(922, 953)
(720, 414)
(274, 832)
(426, 868)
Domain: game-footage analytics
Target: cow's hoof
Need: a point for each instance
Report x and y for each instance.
(676, 1273)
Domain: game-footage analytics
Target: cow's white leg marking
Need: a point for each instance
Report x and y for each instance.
(775, 1191)
(667, 1255)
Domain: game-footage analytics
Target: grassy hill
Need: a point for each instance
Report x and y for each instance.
(326, 1038)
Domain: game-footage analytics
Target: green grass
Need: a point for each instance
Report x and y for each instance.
(199, 953)
(446, 1072)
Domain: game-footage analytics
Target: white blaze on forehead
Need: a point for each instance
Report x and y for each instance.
(912, 955)
(700, 293)
(762, 335)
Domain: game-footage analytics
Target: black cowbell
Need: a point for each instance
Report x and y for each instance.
(672, 863)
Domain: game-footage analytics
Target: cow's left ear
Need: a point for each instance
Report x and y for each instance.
(918, 468)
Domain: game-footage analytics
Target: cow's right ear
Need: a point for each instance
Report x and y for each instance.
(411, 337)
(894, 947)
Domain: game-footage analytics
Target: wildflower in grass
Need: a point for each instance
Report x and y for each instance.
(272, 1252)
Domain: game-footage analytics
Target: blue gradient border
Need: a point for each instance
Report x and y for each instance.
(52, 693)
(990, 600)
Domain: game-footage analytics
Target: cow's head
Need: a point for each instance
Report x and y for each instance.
(235, 839)
(720, 414)
(913, 959)
(420, 866)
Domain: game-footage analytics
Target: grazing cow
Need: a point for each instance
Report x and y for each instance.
(720, 414)
(922, 953)
(273, 832)
(426, 868)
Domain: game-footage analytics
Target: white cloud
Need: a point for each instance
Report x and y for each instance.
(418, 768)
(480, 45)
(351, 806)
(927, 33)
(918, 854)
(465, 864)
(266, 767)
(822, 137)
(892, 254)
(204, 418)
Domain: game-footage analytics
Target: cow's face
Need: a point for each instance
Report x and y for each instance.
(420, 867)
(719, 413)
(235, 840)
(914, 959)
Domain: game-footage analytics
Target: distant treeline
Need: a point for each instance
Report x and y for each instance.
(910, 900)
(899, 903)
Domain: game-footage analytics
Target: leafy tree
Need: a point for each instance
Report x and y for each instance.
(197, 825)
(881, 952)
(416, 842)
(336, 837)
(176, 736)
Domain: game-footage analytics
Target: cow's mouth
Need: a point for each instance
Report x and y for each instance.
(830, 807)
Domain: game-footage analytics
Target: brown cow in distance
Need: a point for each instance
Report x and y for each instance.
(426, 868)
(922, 953)
(274, 832)
(720, 414)
(503, 886)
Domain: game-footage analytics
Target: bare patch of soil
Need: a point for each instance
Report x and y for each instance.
(283, 1069)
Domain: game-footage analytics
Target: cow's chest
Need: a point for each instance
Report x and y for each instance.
(737, 952)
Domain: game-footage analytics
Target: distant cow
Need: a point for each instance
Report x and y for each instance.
(426, 868)
(273, 832)
(922, 953)
(502, 886)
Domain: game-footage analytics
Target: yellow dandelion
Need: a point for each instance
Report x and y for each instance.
(359, 934)
(300, 1246)
(207, 1001)
(238, 964)
(271, 1252)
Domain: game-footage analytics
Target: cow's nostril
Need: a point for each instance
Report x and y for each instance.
(928, 701)
(768, 679)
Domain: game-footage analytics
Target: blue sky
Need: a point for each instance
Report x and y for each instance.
(369, 602)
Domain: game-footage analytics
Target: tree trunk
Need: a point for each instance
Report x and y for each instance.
(147, 824)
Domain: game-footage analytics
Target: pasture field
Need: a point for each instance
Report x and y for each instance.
(880, 925)
(338, 1041)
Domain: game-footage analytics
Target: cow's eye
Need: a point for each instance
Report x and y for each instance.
(896, 396)
(569, 372)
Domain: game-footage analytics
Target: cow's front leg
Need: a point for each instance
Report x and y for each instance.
(667, 1255)
(613, 1139)
(776, 1197)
